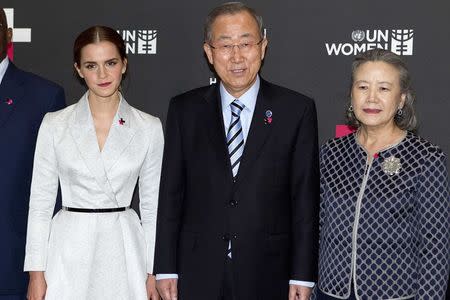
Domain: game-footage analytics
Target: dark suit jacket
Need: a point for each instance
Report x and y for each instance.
(31, 97)
(270, 213)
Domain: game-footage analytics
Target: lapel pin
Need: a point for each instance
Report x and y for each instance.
(9, 101)
(268, 117)
(121, 121)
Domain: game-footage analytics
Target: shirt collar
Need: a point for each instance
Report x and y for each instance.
(248, 98)
(3, 66)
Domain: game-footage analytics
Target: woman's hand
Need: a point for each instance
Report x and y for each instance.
(152, 293)
(37, 286)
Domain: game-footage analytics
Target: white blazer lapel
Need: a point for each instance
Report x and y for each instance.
(83, 132)
(120, 135)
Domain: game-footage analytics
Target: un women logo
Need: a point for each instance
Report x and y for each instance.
(358, 35)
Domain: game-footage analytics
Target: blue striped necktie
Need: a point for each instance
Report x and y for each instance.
(235, 143)
(235, 137)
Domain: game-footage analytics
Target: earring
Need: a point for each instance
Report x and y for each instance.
(350, 108)
(399, 112)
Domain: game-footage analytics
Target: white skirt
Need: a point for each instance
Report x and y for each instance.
(96, 256)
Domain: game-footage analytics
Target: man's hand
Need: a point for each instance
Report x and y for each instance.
(299, 292)
(167, 288)
(152, 293)
(37, 286)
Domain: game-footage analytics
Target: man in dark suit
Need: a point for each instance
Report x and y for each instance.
(239, 194)
(24, 100)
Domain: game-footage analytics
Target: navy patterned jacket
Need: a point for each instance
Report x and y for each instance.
(384, 221)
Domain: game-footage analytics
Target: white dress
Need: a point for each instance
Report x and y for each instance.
(94, 255)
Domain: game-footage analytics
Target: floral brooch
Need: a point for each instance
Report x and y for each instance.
(391, 165)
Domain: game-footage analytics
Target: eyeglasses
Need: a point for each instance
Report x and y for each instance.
(227, 49)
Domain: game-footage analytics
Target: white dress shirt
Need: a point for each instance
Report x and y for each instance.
(248, 99)
(3, 66)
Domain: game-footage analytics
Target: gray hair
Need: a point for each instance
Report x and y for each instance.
(407, 120)
(230, 8)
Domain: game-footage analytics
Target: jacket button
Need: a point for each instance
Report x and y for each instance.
(234, 236)
(226, 237)
(233, 202)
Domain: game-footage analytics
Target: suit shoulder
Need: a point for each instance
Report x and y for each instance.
(59, 116)
(192, 96)
(338, 143)
(43, 94)
(39, 83)
(288, 95)
(143, 119)
(424, 146)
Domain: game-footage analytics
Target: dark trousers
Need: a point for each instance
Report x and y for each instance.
(13, 297)
(228, 290)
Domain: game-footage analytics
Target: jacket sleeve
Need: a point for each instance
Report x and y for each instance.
(305, 198)
(57, 102)
(44, 187)
(149, 178)
(170, 197)
(433, 208)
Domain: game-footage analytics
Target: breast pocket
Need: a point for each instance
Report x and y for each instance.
(276, 172)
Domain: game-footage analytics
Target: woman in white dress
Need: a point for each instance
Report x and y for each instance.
(95, 247)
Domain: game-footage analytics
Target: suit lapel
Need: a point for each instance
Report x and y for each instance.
(216, 129)
(11, 93)
(120, 135)
(83, 132)
(258, 133)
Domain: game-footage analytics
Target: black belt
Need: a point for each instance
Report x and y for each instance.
(95, 210)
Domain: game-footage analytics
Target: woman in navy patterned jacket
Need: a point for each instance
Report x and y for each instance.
(384, 195)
